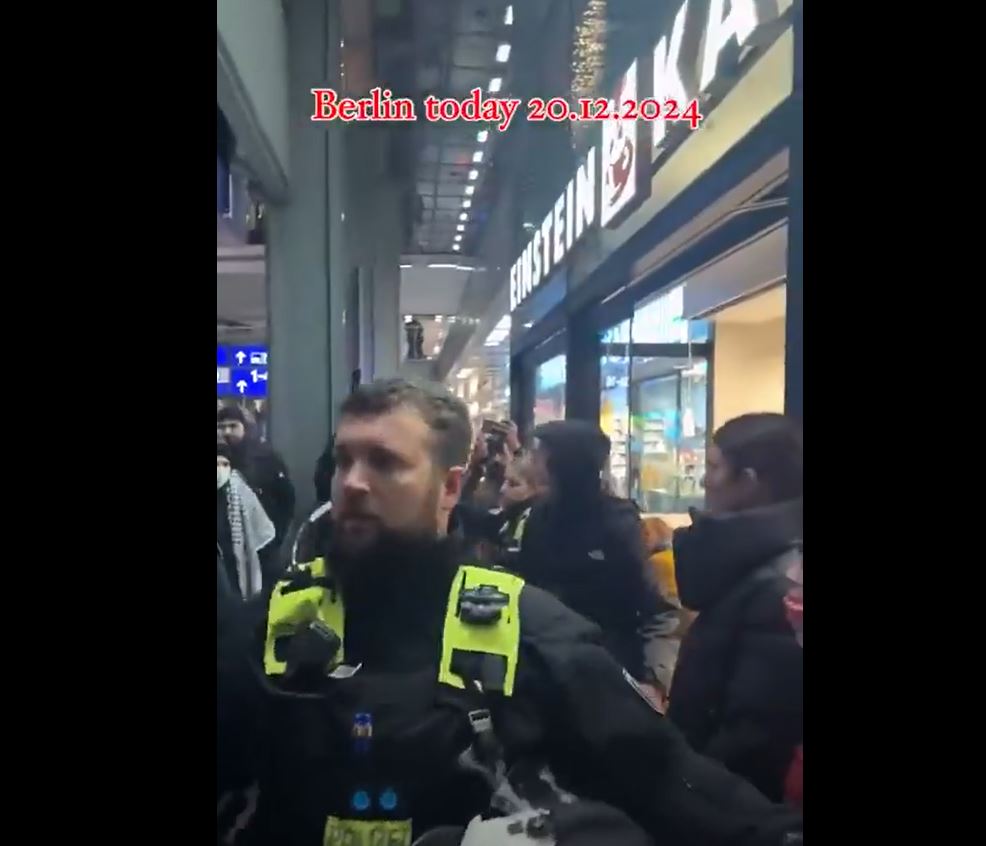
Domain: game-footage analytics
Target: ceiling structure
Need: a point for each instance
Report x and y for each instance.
(460, 45)
(241, 294)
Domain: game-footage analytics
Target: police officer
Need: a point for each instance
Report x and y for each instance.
(405, 690)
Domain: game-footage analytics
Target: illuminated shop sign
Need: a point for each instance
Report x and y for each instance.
(623, 179)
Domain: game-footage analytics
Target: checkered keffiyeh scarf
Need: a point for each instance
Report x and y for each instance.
(251, 529)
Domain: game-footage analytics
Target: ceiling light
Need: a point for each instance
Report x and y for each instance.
(457, 239)
(473, 174)
(405, 266)
(482, 135)
(440, 266)
(460, 227)
(503, 52)
(496, 84)
(463, 217)
(477, 156)
(467, 204)
(508, 18)
(440, 317)
(470, 190)
(456, 247)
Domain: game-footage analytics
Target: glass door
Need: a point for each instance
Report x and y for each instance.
(668, 426)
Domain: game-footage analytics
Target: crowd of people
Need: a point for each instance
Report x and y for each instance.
(648, 678)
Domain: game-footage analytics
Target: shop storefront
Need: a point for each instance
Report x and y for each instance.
(672, 250)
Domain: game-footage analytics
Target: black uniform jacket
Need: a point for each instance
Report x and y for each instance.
(573, 708)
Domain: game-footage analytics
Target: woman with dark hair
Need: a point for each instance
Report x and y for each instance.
(587, 548)
(737, 689)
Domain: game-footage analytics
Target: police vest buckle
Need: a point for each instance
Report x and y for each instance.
(482, 605)
(315, 647)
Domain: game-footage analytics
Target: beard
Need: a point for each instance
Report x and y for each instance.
(367, 555)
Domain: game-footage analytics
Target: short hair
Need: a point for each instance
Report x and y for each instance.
(231, 413)
(772, 445)
(445, 414)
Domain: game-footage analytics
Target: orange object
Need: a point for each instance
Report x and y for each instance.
(657, 539)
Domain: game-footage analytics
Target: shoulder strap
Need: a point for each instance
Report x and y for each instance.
(305, 597)
(481, 636)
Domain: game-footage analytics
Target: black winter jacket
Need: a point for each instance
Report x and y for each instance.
(737, 692)
(267, 474)
(593, 559)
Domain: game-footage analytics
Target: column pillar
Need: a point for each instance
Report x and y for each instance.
(306, 262)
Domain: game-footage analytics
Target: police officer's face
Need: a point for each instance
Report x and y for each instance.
(386, 479)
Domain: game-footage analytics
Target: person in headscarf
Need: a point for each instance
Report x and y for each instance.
(260, 466)
(244, 530)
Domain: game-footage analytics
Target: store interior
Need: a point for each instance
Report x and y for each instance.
(657, 409)
(749, 356)
(549, 390)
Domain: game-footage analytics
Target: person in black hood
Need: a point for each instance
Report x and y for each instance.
(263, 469)
(587, 547)
(737, 689)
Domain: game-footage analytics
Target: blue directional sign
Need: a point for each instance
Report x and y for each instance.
(224, 381)
(242, 371)
(248, 357)
(249, 382)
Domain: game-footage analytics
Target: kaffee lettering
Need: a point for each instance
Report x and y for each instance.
(741, 22)
(667, 77)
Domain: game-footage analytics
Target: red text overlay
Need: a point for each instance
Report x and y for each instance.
(500, 111)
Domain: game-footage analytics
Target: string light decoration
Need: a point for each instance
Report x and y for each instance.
(588, 56)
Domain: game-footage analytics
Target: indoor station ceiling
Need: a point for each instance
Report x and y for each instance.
(460, 45)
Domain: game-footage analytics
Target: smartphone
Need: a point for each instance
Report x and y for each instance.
(491, 427)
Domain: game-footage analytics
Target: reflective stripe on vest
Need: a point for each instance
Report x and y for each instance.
(290, 611)
(521, 525)
(501, 638)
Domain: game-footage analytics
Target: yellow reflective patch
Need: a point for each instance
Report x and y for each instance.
(340, 832)
(499, 638)
(287, 612)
